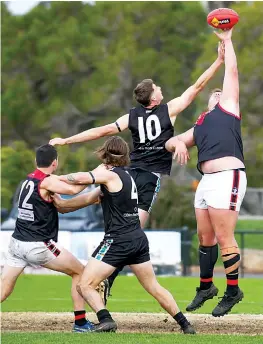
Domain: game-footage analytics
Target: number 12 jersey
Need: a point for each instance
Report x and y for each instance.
(37, 218)
(150, 129)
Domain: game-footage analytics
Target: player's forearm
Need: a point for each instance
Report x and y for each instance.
(77, 178)
(174, 141)
(67, 210)
(171, 144)
(230, 57)
(78, 188)
(188, 141)
(89, 135)
(80, 201)
(207, 75)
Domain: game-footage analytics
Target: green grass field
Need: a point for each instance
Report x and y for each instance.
(250, 224)
(51, 294)
(68, 338)
(251, 240)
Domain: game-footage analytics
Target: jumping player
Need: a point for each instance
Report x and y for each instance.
(151, 125)
(124, 243)
(217, 135)
(34, 241)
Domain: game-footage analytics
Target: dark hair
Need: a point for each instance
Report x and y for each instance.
(115, 151)
(214, 90)
(142, 92)
(45, 155)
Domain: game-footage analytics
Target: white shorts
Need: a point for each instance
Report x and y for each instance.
(23, 253)
(221, 190)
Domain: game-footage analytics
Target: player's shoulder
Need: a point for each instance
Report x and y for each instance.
(201, 118)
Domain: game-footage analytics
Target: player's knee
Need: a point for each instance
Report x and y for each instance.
(84, 286)
(78, 288)
(207, 239)
(225, 240)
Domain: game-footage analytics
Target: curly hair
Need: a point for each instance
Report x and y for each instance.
(115, 151)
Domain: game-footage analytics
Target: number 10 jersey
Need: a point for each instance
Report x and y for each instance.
(37, 218)
(150, 129)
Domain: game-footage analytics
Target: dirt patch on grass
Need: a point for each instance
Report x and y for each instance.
(135, 322)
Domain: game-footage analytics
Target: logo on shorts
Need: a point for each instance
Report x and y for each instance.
(234, 191)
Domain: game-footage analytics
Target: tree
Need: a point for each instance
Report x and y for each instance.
(68, 65)
(17, 161)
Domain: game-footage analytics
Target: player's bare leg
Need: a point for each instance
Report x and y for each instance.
(208, 254)
(95, 272)
(146, 276)
(8, 280)
(224, 223)
(144, 216)
(71, 266)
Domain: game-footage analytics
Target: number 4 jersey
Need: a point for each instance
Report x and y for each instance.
(37, 218)
(150, 129)
(120, 209)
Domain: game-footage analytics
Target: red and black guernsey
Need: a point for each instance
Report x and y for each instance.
(217, 134)
(37, 218)
(150, 129)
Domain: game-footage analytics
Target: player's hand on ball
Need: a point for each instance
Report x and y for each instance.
(181, 153)
(224, 35)
(57, 141)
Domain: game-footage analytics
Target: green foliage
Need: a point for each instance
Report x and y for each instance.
(73, 65)
(176, 202)
(75, 55)
(16, 162)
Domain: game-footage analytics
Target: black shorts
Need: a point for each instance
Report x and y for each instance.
(148, 186)
(129, 249)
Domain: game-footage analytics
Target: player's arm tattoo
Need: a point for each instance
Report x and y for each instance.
(71, 178)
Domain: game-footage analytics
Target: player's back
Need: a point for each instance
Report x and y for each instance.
(150, 129)
(37, 218)
(120, 209)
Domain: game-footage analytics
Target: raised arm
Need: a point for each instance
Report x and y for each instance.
(230, 94)
(177, 105)
(54, 184)
(78, 202)
(94, 133)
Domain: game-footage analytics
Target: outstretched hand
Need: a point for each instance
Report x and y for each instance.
(224, 35)
(57, 141)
